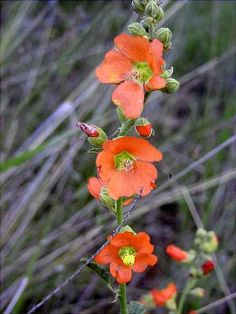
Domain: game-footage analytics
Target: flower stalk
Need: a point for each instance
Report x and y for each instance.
(122, 287)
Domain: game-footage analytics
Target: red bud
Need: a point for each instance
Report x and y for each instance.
(89, 130)
(144, 130)
(208, 267)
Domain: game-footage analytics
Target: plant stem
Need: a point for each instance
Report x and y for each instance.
(125, 127)
(122, 293)
(189, 285)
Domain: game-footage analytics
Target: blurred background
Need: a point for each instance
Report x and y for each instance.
(49, 50)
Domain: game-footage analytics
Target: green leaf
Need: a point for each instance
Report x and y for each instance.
(135, 307)
(103, 274)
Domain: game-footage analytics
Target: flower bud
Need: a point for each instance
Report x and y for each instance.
(176, 253)
(143, 127)
(106, 200)
(207, 267)
(137, 6)
(122, 118)
(96, 136)
(172, 85)
(148, 302)
(198, 292)
(167, 74)
(164, 35)
(147, 22)
(136, 29)
(171, 304)
(211, 243)
(160, 14)
(152, 9)
(90, 130)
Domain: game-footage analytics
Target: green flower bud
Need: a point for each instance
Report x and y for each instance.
(148, 301)
(137, 6)
(172, 85)
(164, 35)
(160, 14)
(171, 304)
(106, 200)
(147, 22)
(152, 9)
(191, 256)
(98, 141)
(198, 292)
(136, 29)
(210, 245)
(167, 73)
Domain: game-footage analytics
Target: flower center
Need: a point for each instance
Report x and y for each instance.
(142, 72)
(124, 161)
(127, 254)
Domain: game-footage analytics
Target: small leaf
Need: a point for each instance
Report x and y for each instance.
(103, 274)
(135, 307)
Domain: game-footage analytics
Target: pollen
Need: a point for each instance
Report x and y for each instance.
(127, 254)
(124, 161)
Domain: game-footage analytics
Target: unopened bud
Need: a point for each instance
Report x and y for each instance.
(171, 304)
(198, 292)
(137, 6)
(147, 22)
(96, 136)
(172, 85)
(152, 9)
(143, 127)
(164, 35)
(207, 267)
(106, 200)
(167, 74)
(160, 14)
(148, 302)
(211, 244)
(90, 130)
(136, 29)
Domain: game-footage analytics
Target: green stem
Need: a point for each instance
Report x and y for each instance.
(189, 285)
(125, 127)
(122, 293)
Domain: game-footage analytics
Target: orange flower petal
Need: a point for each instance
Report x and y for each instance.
(122, 239)
(106, 165)
(156, 82)
(130, 97)
(120, 185)
(107, 255)
(144, 260)
(142, 176)
(122, 273)
(94, 186)
(136, 48)
(176, 253)
(141, 242)
(141, 149)
(155, 60)
(114, 69)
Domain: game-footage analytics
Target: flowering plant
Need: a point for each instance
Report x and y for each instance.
(124, 163)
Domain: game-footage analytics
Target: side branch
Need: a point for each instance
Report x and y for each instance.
(89, 260)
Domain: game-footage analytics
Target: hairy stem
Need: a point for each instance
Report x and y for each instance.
(122, 293)
(125, 127)
(189, 285)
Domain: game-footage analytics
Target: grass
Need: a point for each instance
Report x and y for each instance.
(48, 54)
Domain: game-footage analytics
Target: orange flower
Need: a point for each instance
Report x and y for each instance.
(136, 66)
(127, 252)
(94, 186)
(160, 297)
(176, 253)
(125, 163)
